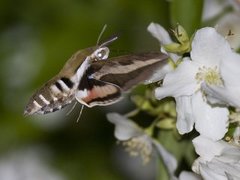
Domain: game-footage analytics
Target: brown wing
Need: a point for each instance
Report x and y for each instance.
(127, 71)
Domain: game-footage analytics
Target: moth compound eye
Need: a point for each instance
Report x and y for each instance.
(101, 53)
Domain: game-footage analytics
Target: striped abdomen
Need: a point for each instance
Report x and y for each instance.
(54, 95)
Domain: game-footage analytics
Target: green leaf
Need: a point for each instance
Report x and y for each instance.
(187, 13)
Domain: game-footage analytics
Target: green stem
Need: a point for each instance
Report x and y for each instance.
(161, 173)
(132, 113)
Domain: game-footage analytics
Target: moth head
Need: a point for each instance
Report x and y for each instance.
(100, 54)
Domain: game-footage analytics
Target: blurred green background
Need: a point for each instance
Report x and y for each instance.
(36, 39)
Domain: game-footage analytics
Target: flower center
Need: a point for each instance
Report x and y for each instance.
(139, 146)
(210, 75)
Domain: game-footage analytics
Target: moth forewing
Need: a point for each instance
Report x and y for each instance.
(104, 81)
(128, 70)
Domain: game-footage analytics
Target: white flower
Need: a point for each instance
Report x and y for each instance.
(229, 26)
(209, 49)
(138, 142)
(218, 159)
(214, 8)
(229, 91)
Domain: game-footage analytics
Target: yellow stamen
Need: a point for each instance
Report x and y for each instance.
(210, 75)
(139, 146)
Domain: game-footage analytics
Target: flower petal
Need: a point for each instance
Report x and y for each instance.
(169, 160)
(159, 74)
(229, 70)
(222, 168)
(231, 22)
(208, 174)
(220, 95)
(159, 33)
(206, 148)
(185, 120)
(229, 93)
(213, 96)
(124, 128)
(211, 9)
(209, 47)
(218, 159)
(163, 37)
(224, 151)
(185, 175)
(180, 82)
(210, 121)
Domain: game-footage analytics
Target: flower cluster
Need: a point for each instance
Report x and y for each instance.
(202, 78)
(140, 142)
(204, 86)
(198, 85)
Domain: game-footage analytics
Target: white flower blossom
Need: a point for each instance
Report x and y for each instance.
(218, 159)
(209, 49)
(214, 8)
(229, 26)
(229, 91)
(138, 142)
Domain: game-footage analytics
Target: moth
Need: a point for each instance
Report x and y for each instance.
(93, 79)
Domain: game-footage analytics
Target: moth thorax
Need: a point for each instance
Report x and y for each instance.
(100, 54)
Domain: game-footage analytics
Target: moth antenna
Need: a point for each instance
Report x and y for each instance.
(109, 41)
(101, 33)
(71, 109)
(80, 113)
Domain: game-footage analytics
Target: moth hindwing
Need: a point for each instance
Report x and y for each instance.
(92, 81)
